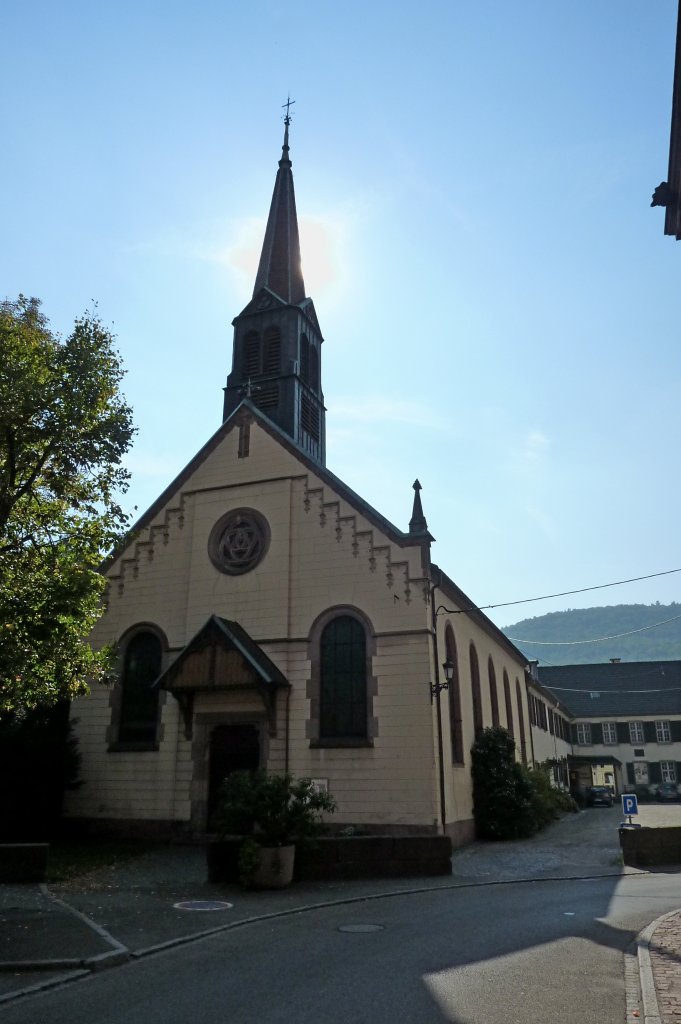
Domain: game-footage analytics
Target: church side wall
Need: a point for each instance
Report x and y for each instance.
(458, 781)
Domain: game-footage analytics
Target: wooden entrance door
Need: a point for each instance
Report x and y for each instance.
(233, 748)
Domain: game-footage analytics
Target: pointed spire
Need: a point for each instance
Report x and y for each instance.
(279, 268)
(417, 523)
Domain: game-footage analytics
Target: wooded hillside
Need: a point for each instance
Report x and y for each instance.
(663, 642)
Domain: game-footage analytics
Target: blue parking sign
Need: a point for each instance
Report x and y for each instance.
(629, 803)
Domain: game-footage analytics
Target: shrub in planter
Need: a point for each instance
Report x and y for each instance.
(272, 811)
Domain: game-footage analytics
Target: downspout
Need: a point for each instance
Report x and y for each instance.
(527, 701)
(287, 730)
(438, 710)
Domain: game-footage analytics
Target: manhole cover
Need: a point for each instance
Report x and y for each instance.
(202, 905)
(361, 928)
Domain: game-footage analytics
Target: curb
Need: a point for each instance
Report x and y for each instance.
(651, 1009)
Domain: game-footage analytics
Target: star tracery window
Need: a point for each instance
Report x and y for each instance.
(239, 541)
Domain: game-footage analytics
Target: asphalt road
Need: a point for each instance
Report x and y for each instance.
(539, 952)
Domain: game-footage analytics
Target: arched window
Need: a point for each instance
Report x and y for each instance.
(272, 359)
(455, 719)
(138, 717)
(314, 368)
(475, 690)
(521, 721)
(343, 679)
(509, 706)
(304, 358)
(251, 354)
(494, 699)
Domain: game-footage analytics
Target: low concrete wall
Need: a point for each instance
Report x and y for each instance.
(23, 862)
(645, 847)
(341, 857)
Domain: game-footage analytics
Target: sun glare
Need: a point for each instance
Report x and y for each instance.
(322, 245)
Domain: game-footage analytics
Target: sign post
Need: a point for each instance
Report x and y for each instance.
(629, 807)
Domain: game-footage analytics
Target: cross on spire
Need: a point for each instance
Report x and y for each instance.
(287, 116)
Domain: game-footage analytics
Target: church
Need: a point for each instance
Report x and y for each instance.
(265, 615)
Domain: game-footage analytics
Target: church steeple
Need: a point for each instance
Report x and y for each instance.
(277, 341)
(279, 268)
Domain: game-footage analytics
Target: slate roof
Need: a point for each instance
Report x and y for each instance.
(626, 689)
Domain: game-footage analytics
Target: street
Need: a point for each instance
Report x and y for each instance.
(526, 952)
(531, 931)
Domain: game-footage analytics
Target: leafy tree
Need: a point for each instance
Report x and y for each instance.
(64, 429)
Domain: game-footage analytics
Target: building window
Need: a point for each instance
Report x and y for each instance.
(583, 734)
(138, 716)
(636, 734)
(455, 717)
(663, 732)
(314, 368)
(668, 771)
(507, 702)
(272, 359)
(251, 354)
(609, 732)
(475, 690)
(239, 541)
(266, 396)
(343, 679)
(304, 358)
(494, 699)
(309, 417)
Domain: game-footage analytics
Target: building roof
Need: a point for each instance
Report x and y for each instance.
(280, 268)
(672, 224)
(626, 688)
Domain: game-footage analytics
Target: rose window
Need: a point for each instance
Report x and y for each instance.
(239, 541)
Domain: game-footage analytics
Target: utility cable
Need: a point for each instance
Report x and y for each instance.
(596, 640)
(566, 593)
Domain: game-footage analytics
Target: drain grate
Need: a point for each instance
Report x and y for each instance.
(358, 928)
(202, 905)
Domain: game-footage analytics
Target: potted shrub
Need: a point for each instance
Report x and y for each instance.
(273, 813)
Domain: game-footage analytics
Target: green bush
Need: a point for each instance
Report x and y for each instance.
(511, 801)
(503, 794)
(273, 809)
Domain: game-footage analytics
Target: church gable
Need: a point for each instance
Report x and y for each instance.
(251, 465)
(265, 299)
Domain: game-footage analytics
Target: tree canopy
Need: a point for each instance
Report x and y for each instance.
(64, 429)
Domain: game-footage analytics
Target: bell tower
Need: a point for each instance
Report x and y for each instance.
(276, 360)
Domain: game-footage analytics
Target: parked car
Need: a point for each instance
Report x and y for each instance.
(667, 792)
(600, 795)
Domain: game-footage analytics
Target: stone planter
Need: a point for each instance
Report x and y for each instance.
(275, 870)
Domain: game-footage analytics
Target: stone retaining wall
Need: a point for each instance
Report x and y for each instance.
(341, 857)
(645, 847)
(23, 862)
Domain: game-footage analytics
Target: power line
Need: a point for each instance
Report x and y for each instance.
(582, 590)
(607, 693)
(547, 597)
(597, 640)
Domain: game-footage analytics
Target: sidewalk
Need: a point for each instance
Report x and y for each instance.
(51, 935)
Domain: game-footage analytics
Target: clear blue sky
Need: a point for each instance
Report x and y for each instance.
(500, 306)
